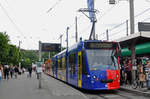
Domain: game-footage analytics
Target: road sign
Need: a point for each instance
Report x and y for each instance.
(112, 1)
(143, 26)
(51, 47)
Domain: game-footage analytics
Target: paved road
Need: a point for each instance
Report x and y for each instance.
(27, 88)
(114, 94)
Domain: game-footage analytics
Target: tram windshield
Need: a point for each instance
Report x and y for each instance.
(102, 59)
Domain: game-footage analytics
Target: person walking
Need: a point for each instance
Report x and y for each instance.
(129, 74)
(124, 72)
(16, 70)
(141, 75)
(0, 72)
(128, 69)
(6, 72)
(30, 71)
(11, 71)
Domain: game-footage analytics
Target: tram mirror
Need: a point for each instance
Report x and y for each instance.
(119, 53)
(85, 73)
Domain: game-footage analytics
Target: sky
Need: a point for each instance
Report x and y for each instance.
(29, 21)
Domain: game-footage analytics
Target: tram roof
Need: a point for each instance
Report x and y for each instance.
(140, 37)
(60, 53)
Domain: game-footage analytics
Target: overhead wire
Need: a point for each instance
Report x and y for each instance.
(121, 24)
(51, 8)
(129, 26)
(12, 21)
(141, 13)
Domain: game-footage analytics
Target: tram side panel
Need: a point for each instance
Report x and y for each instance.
(72, 70)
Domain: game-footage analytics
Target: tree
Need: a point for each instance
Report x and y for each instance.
(13, 56)
(4, 48)
(28, 57)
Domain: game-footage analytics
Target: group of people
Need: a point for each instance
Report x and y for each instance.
(126, 75)
(127, 68)
(9, 71)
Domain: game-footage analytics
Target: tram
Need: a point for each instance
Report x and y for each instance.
(90, 65)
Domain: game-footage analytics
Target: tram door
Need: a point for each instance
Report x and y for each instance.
(79, 69)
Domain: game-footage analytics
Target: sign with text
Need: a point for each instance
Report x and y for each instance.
(143, 26)
(112, 1)
(51, 47)
(97, 45)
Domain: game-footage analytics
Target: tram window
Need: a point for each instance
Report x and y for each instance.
(72, 62)
(64, 64)
(60, 64)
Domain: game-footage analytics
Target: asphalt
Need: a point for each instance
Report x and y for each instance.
(27, 88)
(140, 91)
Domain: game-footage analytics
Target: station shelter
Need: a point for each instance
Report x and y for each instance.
(141, 43)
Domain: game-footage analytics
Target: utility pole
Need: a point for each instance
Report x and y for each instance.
(39, 74)
(19, 55)
(61, 41)
(40, 47)
(94, 19)
(76, 20)
(127, 27)
(107, 35)
(67, 37)
(131, 3)
(132, 46)
(66, 59)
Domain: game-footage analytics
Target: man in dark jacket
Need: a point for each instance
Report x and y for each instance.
(6, 72)
(16, 70)
(30, 71)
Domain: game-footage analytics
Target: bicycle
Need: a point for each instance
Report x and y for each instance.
(137, 83)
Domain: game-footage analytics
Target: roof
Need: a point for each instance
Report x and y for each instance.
(140, 37)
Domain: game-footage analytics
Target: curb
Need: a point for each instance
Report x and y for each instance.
(146, 94)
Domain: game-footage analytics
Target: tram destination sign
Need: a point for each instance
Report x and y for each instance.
(51, 47)
(143, 26)
(99, 45)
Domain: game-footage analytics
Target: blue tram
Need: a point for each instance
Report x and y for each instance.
(91, 65)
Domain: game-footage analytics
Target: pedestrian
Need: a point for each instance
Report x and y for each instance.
(23, 70)
(125, 71)
(0, 72)
(128, 71)
(30, 71)
(11, 71)
(6, 72)
(141, 76)
(147, 70)
(16, 70)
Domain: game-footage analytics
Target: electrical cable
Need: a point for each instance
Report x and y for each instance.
(12, 21)
(53, 6)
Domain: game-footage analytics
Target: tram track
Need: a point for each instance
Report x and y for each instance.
(115, 94)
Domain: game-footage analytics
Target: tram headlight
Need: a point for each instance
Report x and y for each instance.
(94, 77)
(117, 76)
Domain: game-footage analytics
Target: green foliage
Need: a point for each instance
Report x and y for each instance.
(4, 47)
(13, 57)
(28, 57)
